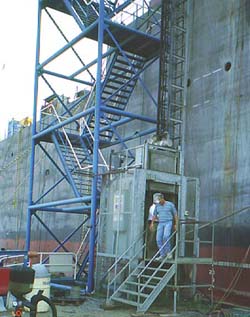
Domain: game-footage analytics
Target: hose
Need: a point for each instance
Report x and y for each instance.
(38, 298)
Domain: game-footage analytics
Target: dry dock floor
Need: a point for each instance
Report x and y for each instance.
(95, 307)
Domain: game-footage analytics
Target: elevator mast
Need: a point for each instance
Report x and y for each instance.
(171, 93)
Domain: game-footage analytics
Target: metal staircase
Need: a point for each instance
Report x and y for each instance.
(121, 78)
(82, 175)
(139, 281)
(144, 284)
(79, 129)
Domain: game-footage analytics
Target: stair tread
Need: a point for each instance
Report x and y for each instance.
(123, 69)
(114, 80)
(123, 290)
(122, 75)
(134, 64)
(116, 88)
(150, 276)
(130, 57)
(136, 284)
(125, 301)
(117, 101)
(154, 269)
(109, 93)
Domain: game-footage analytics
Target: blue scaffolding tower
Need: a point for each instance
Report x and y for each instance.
(127, 37)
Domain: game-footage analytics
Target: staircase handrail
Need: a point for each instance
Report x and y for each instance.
(126, 251)
(157, 253)
(236, 212)
(140, 237)
(86, 235)
(131, 14)
(92, 137)
(206, 224)
(152, 276)
(128, 263)
(71, 146)
(140, 289)
(83, 240)
(124, 267)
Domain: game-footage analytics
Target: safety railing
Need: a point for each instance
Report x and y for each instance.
(196, 241)
(11, 260)
(129, 266)
(53, 112)
(133, 157)
(171, 254)
(59, 262)
(130, 260)
(139, 15)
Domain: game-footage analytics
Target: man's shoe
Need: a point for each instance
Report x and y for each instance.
(169, 256)
(159, 258)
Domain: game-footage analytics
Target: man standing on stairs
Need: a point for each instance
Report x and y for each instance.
(166, 214)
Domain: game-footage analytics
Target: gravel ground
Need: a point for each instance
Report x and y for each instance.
(94, 306)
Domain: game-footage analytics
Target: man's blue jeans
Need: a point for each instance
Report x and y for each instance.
(164, 230)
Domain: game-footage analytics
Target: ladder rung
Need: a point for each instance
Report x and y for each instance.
(176, 120)
(177, 105)
(177, 86)
(179, 28)
(179, 57)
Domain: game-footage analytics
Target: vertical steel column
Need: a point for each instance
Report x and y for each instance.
(92, 238)
(33, 142)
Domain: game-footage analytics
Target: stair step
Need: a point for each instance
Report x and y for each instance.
(117, 88)
(120, 75)
(124, 301)
(87, 13)
(130, 57)
(137, 284)
(126, 291)
(117, 101)
(154, 269)
(150, 276)
(110, 93)
(137, 65)
(120, 82)
(125, 70)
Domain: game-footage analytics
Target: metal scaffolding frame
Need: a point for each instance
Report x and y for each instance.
(79, 130)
